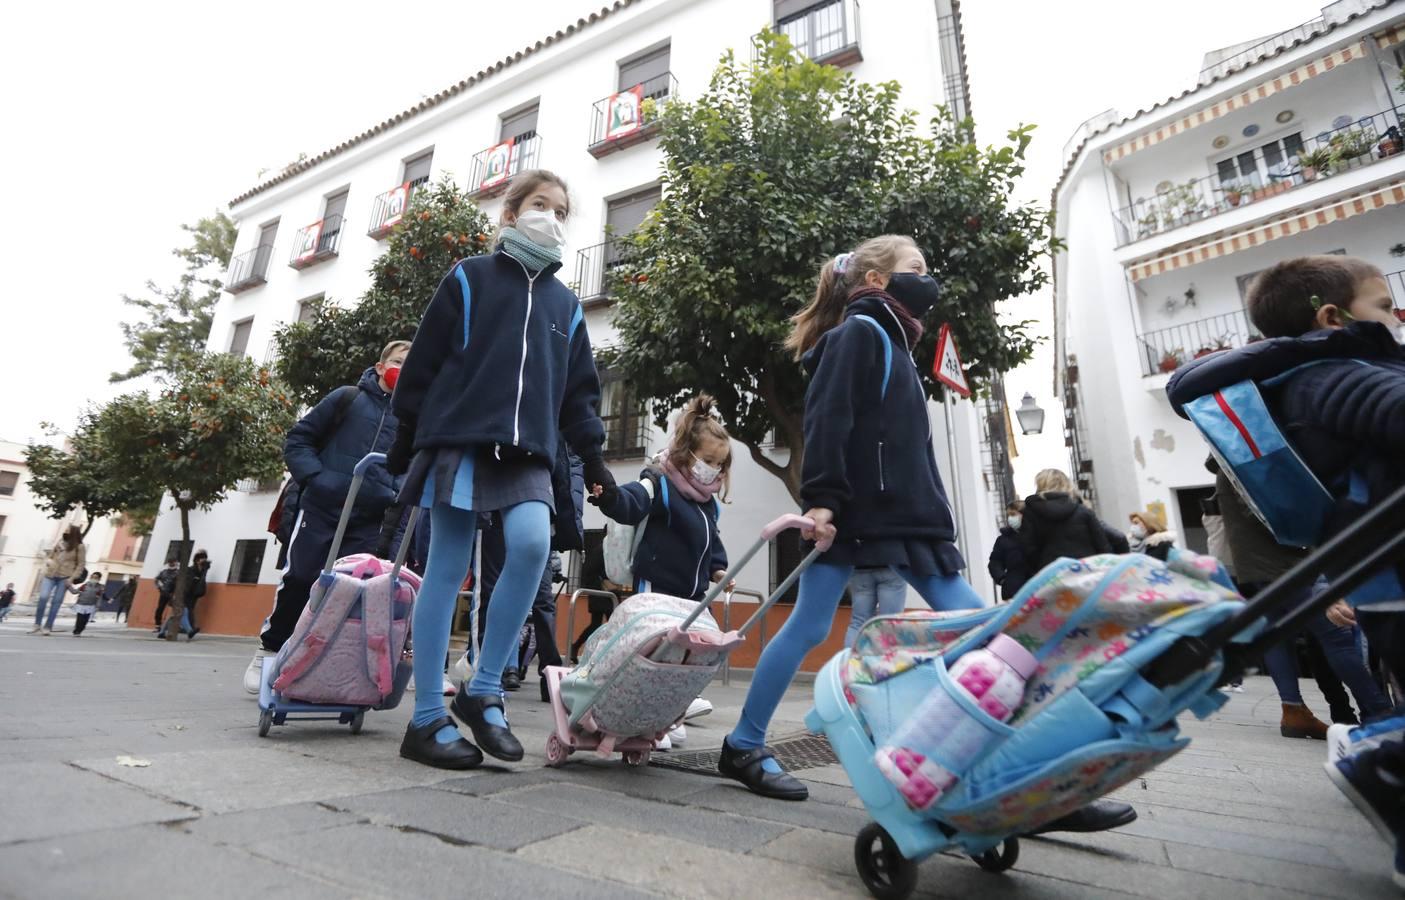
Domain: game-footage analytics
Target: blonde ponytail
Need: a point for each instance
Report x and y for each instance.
(840, 277)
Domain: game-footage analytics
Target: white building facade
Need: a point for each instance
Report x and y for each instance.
(1287, 146)
(551, 103)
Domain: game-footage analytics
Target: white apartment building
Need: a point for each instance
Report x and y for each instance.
(1169, 213)
(312, 231)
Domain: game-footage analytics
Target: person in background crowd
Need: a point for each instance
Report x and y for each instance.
(66, 561)
(125, 596)
(87, 604)
(197, 582)
(1057, 524)
(1149, 534)
(1007, 563)
(165, 590)
(593, 579)
(7, 599)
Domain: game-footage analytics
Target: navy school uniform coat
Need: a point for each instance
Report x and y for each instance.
(682, 546)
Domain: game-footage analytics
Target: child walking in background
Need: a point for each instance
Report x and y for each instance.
(681, 553)
(88, 597)
(501, 366)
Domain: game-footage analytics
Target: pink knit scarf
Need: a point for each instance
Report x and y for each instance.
(693, 489)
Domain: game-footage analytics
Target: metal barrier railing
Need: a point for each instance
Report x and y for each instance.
(571, 614)
(726, 626)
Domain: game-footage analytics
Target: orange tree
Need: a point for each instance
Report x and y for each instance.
(441, 226)
(776, 167)
(220, 420)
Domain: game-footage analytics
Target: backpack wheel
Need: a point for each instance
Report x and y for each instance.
(999, 859)
(357, 721)
(886, 873)
(265, 721)
(556, 751)
(636, 757)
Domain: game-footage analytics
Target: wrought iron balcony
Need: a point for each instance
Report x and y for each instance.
(1362, 143)
(595, 266)
(1396, 281)
(827, 32)
(389, 208)
(249, 270)
(1166, 349)
(318, 241)
(621, 121)
(494, 167)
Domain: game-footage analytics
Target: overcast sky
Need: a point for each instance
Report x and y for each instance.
(126, 119)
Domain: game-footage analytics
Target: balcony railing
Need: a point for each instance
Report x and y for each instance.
(1264, 48)
(495, 166)
(1396, 281)
(249, 270)
(594, 266)
(827, 32)
(389, 208)
(628, 117)
(318, 241)
(1362, 143)
(1166, 349)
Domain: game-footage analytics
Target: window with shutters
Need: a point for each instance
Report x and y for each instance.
(519, 126)
(623, 417)
(247, 561)
(417, 169)
(826, 31)
(239, 338)
(8, 482)
(649, 69)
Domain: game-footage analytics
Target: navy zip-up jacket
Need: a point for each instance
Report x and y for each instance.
(502, 359)
(321, 454)
(868, 455)
(682, 546)
(1345, 415)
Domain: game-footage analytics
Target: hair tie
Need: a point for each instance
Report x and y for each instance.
(841, 263)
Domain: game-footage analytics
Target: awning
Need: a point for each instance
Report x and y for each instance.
(1284, 226)
(1261, 91)
(1391, 36)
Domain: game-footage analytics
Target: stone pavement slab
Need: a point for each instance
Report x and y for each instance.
(33, 792)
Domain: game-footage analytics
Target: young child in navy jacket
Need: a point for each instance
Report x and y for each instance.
(502, 366)
(681, 553)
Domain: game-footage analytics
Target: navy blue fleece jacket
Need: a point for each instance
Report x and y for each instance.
(502, 359)
(682, 546)
(868, 454)
(321, 454)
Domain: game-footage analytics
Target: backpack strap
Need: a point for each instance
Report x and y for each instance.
(346, 395)
(887, 351)
(376, 616)
(648, 484)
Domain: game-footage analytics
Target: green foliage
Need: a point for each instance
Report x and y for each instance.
(441, 227)
(774, 169)
(86, 474)
(177, 319)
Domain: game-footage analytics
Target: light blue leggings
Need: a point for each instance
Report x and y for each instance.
(527, 534)
(809, 624)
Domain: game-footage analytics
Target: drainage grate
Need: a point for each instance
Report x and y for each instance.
(794, 752)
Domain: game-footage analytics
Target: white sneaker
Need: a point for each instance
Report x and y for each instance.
(664, 744)
(1237, 688)
(697, 709)
(678, 734)
(449, 689)
(1349, 740)
(253, 675)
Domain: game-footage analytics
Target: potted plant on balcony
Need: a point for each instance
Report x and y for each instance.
(1233, 191)
(1353, 143)
(1220, 343)
(1317, 163)
(1147, 224)
(1171, 360)
(1391, 144)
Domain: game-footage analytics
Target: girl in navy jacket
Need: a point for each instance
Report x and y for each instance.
(681, 553)
(502, 368)
(870, 477)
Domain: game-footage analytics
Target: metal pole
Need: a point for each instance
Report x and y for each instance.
(954, 487)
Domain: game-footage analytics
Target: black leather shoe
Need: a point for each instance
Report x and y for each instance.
(1100, 815)
(546, 695)
(746, 766)
(420, 745)
(495, 740)
(511, 681)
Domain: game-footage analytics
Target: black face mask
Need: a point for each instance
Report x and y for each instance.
(916, 292)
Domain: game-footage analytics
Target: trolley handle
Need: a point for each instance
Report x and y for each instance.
(768, 534)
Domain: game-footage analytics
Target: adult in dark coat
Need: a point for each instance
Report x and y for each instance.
(1008, 565)
(1056, 523)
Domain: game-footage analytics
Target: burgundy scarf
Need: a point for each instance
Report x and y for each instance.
(912, 326)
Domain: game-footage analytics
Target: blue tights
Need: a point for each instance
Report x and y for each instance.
(809, 624)
(527, 534)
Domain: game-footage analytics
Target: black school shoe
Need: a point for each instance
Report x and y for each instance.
(420, 745)
(1100, 815)
(745, 766)
(511, 681)
(495, 740)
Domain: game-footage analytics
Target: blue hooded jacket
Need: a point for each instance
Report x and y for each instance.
(321, 454)
(502, 359)
(1343, 411)
(868, 454)
(682, 546)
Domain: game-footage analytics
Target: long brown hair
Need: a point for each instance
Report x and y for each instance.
(696, 423)
(826, 310)
(522, 186)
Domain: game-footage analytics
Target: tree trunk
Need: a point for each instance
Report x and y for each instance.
(172, 629)
(790, 427)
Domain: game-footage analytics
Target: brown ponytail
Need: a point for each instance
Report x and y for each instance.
(696, 423)
(880, 254)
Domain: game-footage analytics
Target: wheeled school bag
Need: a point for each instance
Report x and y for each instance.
(1125, 644)
(639, 671)
(349, 651)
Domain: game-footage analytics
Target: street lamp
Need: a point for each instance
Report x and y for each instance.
(1031, 416)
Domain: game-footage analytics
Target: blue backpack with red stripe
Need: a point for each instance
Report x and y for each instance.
(1254, 453)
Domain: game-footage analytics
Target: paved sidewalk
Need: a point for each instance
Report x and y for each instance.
(312, 811)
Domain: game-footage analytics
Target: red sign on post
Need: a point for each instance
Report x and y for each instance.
(307, 243)
(624, 113)
(497, 164)
(947, 368)
(397, 201)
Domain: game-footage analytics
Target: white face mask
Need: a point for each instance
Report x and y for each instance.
(542, 227)
(704, 473)
(1015, 522)
(1138, 530)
